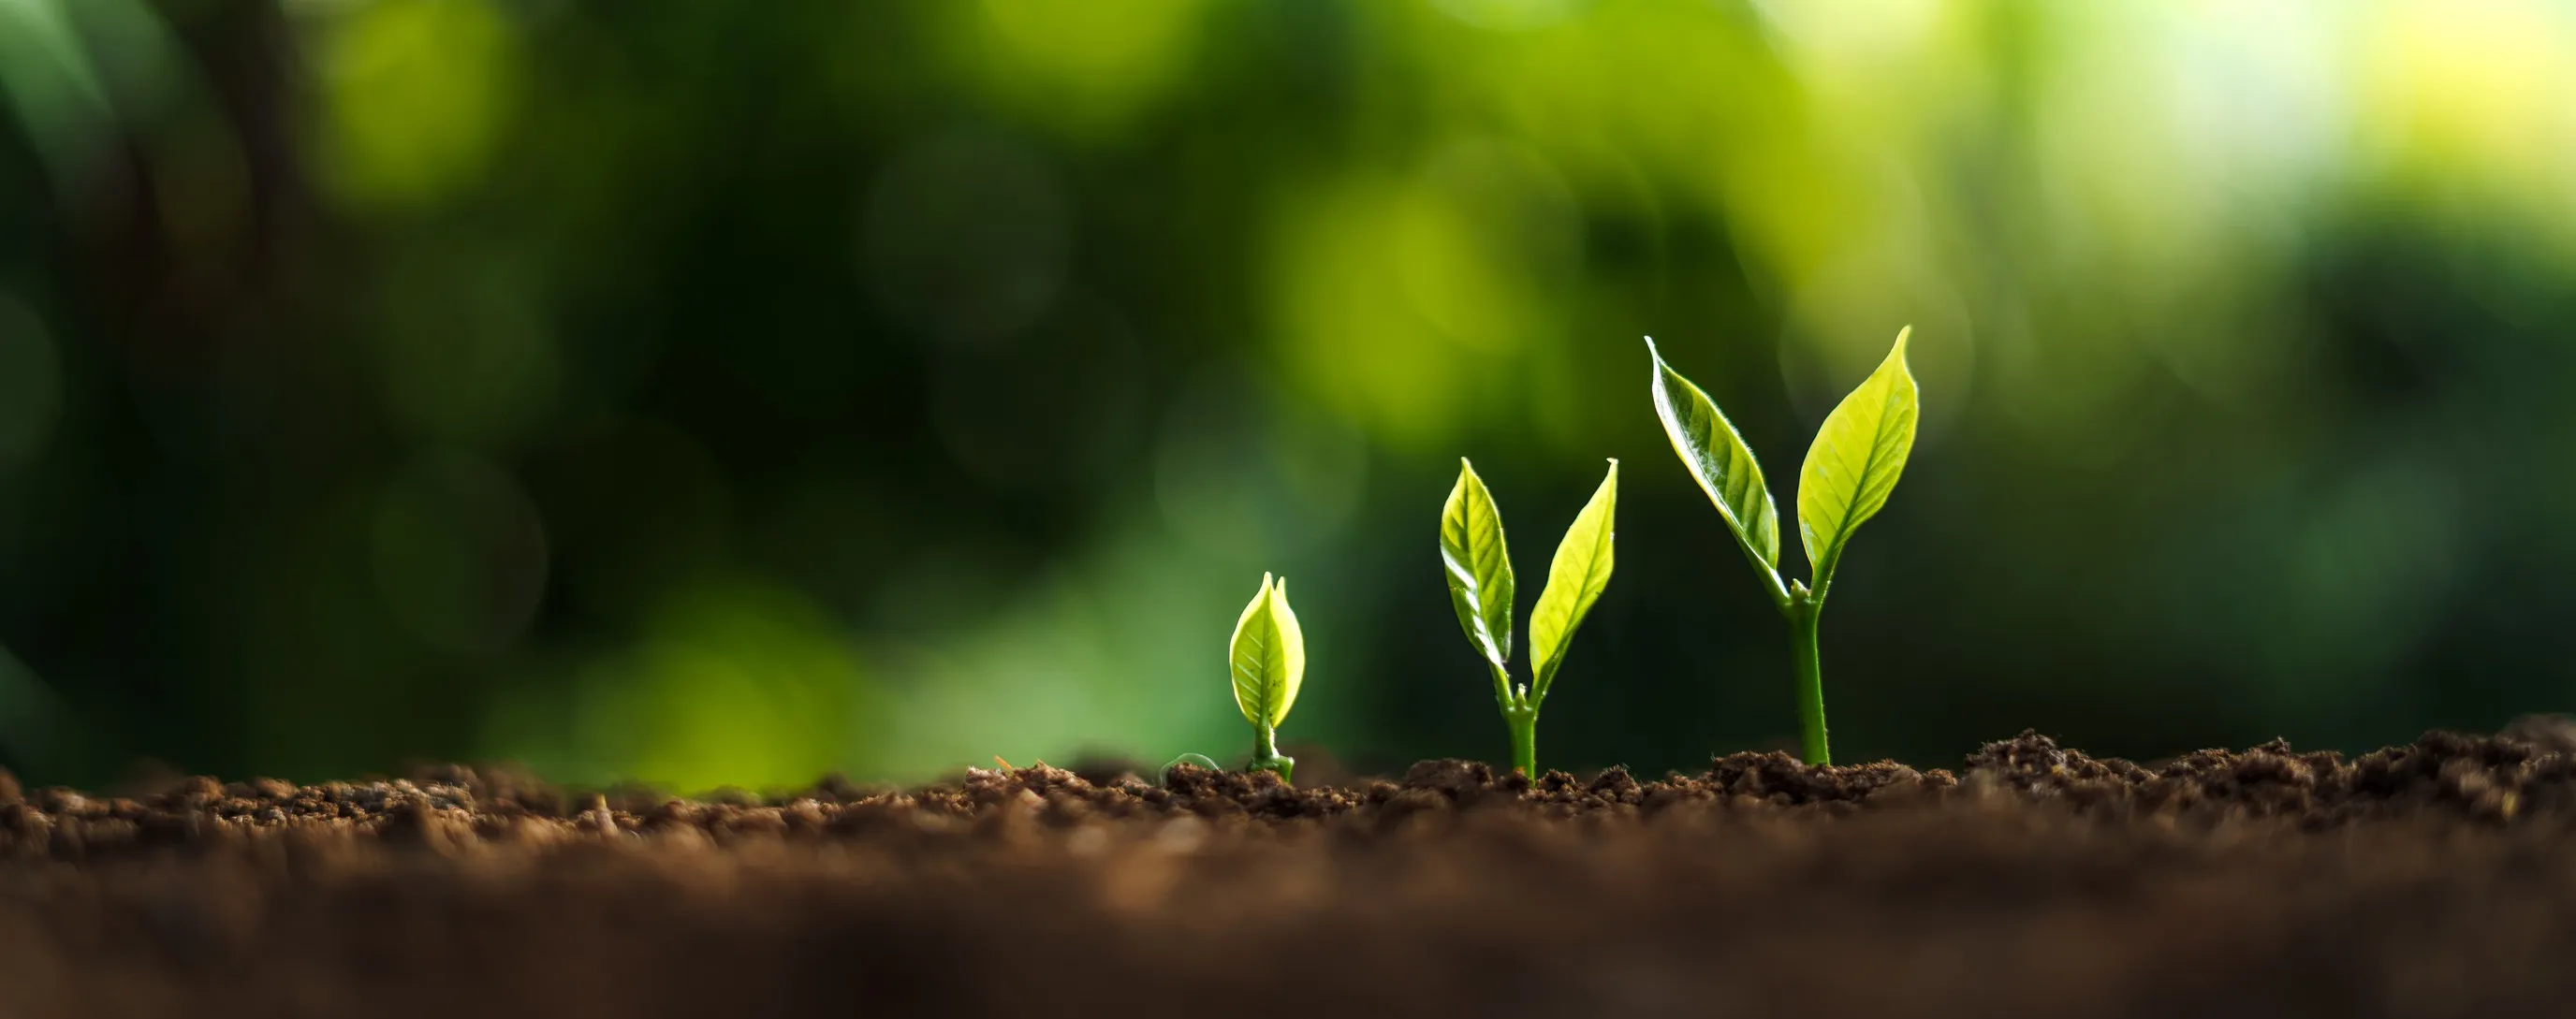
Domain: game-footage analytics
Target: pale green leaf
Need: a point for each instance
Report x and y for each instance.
(1292, 648)
(1574, 580)
(1855, 461)
(1479, 566)
(1268, 656)
(1724, 466)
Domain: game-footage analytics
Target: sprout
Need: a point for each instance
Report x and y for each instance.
(1850, 470)
(1164, 775)
(1479, 567)
(1268, 660)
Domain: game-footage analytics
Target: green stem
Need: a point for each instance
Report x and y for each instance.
(1803, 612)
(1520, 715)
(1266, 755)
(1522, 718)
(1503, 697)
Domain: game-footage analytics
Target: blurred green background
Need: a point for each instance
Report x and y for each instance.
(720, 392)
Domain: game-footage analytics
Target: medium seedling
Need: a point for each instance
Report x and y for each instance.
(1850, 470)
(1268, 660)
(1480, 586)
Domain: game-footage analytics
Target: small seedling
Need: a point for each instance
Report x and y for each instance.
(1164, 775)
(1268, 659)
(1850, 470)
(1479, 566)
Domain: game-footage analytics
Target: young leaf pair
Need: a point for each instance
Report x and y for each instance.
(1268, 660)
(1479, 566)
(1850, 470)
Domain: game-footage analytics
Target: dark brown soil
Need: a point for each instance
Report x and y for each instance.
(2437, 879)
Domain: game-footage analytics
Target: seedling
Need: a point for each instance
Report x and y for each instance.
(1480, 587)
(1850, 470)
(1194, 760)
(1268, 659)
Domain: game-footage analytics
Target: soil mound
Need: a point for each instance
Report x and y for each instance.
(2432, 879)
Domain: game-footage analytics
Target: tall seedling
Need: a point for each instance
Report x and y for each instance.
(1479, 566)
(1268, 660)
(1850, 470)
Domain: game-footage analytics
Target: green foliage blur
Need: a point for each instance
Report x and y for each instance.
(733, 392)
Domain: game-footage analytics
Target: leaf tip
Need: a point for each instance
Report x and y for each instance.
(1897, 357)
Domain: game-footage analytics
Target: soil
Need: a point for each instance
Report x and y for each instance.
(2435, 879)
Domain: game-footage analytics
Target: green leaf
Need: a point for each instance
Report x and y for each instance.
(1723, 464)
(1268, 656)
(1479, 566)
(1855, 461)
(1574, 580)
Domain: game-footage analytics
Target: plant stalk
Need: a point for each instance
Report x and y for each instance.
(1803, 611)
(1523, 720)
(1520, 715)
(1266, 755)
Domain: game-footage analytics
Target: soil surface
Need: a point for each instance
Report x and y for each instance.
(2436, 879)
